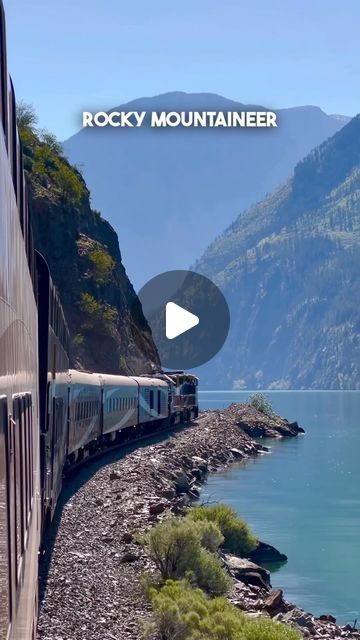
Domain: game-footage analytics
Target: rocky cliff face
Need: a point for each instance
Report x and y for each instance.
(289, 270)
(108, 330)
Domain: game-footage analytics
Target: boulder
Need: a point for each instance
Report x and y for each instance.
(156, 508)
(200, 463)
(274, 601)
(300, 619)
(326, 617)
(114, 475)
(197, 473)
(264, 553)
(182, 484)
(247, 572)
(127, 537)
(237, 453)
(129, 556)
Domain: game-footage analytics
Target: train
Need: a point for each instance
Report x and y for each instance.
(52, 417)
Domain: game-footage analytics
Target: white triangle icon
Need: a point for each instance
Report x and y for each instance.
(178, 320)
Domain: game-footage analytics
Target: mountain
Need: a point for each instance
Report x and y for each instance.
(289, 268)
(108, 330)
(169, 192)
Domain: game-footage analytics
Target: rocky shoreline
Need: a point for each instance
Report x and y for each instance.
(91, 573)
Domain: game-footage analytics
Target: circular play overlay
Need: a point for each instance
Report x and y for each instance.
(188, 317)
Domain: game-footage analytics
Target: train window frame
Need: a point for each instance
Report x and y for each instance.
(7, 569)
(21, 448)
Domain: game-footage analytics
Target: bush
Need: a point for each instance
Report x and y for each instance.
(238, 537)
(184, 613)
(262, 403)
(211, 536)
(208, 574)
(177, 547)
(99, 316)
(173, 546)
(103, 265)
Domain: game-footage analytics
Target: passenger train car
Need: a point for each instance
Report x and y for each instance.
(51, 417)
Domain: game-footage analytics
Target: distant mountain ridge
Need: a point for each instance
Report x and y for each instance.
(289, 268)
(170, 192)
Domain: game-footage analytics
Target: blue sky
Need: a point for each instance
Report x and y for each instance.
(67, 56)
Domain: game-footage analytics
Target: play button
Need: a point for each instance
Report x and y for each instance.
(188, 317)
(178, 320)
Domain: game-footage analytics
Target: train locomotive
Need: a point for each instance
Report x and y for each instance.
(52, 418)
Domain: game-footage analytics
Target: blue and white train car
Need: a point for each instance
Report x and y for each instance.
(153, 399)
(120, 404)
(85, 397)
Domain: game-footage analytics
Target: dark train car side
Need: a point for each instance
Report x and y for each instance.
(19, 419)
(53, 389)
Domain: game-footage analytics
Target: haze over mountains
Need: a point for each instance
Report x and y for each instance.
(289, 268)
(170, 192)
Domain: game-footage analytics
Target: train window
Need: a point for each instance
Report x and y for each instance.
(151, 399)
(159, 401)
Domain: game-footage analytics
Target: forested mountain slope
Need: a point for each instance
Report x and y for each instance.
(289, 268)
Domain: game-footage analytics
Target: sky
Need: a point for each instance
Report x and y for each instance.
(67, 56)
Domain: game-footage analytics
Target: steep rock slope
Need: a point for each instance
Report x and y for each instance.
(289, 268)
(108, 330)
(181, 187)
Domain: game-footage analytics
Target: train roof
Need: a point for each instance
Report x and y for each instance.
(84, 377)
(117, 381)
(143, 381)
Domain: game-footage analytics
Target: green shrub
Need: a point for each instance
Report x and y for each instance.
(183, 613)
(238, 537)
(262, 403)
(99, 316)
(173, 546)
(103, 265)
(44, 159)
(177, 548)
(208, 574)
(211, 536)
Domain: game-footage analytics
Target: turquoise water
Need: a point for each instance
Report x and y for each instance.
(304, 498)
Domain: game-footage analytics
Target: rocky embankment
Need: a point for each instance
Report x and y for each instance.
(92, 590)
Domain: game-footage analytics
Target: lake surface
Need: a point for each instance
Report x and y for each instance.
(304, 498)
